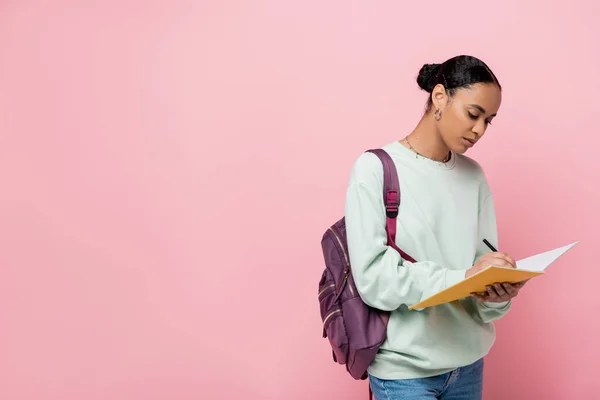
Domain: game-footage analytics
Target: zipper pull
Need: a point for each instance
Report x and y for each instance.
(342, 285)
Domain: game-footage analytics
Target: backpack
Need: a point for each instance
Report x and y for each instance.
(354, 329)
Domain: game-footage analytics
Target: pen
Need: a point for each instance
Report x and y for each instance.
(489, 245)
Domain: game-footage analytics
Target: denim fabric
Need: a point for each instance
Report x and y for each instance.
(465, 383)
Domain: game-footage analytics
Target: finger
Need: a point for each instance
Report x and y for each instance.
(510, 289)
(494, 259)
(510, 263)
(492, 293)
(519, 285)
(500, 262)
(489, 296)
(480, 297)
(500, 290)
(501, 259)
(509, 259)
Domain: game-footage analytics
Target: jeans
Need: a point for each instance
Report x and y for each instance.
(464, 383)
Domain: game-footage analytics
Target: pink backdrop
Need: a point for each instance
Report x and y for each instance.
(168, 169)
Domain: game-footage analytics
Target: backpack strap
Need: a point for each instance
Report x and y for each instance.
(391, 198)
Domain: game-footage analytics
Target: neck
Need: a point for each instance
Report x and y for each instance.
(426, 140)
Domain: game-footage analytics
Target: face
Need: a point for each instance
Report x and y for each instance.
(466, 116)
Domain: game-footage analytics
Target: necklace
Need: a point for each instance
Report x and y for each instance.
(444, 161)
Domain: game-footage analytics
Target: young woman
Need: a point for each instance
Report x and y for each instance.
(446, 211)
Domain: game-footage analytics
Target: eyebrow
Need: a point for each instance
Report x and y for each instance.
(480, 109)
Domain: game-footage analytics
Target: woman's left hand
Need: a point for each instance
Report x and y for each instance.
(500, 292)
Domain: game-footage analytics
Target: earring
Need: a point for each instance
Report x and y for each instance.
(437, 114)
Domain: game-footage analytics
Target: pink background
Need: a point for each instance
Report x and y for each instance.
(168, 169)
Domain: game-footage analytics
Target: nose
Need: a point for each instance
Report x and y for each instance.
(479, 128)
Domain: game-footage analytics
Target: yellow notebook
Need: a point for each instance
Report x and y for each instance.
(527, 268)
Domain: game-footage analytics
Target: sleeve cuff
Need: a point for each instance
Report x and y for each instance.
(488, 304)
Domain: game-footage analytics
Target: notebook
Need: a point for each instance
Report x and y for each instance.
(527, 268)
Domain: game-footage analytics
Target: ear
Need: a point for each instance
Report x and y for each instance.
(439, 96)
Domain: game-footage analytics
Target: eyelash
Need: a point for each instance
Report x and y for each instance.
(475, 117)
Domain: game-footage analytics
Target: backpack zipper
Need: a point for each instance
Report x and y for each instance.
(327, 318)
(347, 272)
(331, 314)
(342, 246)
(326, 288)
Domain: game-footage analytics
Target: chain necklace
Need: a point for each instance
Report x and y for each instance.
(444, 161)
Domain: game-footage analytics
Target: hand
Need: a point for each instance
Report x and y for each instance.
(497, 259)
(500, 292)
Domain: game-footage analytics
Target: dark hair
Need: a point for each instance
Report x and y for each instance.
(455, 73)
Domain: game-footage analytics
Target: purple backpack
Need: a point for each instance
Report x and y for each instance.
(354, 329)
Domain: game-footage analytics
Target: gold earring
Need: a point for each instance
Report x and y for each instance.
(437, 114)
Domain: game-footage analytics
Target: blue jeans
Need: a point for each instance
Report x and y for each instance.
(465, 383)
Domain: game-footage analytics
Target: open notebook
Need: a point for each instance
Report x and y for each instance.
(527, 268)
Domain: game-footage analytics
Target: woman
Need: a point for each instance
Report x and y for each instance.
(446, 211)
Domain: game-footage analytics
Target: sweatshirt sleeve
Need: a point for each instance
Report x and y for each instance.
(488, 311)
(383, 279)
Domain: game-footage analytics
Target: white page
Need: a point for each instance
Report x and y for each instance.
(541, 261)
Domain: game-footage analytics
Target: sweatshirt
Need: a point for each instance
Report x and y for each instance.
(446, 210)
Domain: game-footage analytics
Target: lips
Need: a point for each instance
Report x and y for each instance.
(469, 142)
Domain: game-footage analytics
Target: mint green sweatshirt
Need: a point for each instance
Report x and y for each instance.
(446, 210)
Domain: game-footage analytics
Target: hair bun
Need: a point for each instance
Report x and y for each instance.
(427, 75)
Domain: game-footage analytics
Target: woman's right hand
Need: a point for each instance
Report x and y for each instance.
(496, 258)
